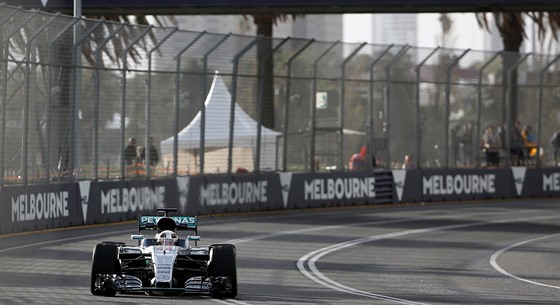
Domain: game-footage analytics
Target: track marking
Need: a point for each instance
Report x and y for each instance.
(315, 275)
(63, 240)
(334, 285)
(321, 228)
(494, 263)
(230, 301)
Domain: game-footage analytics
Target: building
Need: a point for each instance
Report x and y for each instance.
(395, 28)
(320, 27)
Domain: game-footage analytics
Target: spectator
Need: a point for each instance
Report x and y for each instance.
(358, 161)
(139, 155)
(516, 147)
(465, 145)
(555, 147)
(130, 151)
(491, 145)
(529, 141)
(154, 155)
(408, 162)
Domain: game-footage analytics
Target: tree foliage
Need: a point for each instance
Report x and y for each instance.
(511, 26)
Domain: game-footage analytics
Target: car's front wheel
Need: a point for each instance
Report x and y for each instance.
(104, 261)
(222, 265)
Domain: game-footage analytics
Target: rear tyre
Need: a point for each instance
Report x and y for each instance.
(223, 264)
(104, 261)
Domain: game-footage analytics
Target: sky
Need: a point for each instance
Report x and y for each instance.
(357, 29)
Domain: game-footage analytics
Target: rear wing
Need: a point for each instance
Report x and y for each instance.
(147, 222)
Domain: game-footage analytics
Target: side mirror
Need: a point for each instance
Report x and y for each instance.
(194, 238)
(137, 237)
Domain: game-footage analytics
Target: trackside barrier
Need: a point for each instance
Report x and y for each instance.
(38, 207)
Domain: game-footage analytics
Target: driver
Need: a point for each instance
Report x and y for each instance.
(167, 238)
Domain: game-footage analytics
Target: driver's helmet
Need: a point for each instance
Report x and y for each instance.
(167, 238)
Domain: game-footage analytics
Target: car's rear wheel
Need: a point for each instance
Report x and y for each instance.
(223, 264)
(104, 261)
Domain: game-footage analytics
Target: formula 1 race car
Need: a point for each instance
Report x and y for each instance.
(165, 264)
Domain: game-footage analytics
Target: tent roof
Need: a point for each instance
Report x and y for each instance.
(218, 105)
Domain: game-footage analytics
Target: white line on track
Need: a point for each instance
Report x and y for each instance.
(64, 240)
(229, 301)
(494, 259)
(315, 275)
(322, 228)
(325, 281)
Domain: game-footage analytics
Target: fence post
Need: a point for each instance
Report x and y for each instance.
(4, 92)
(342, 100)
(5, 89)
(234, 98)
(50, 93)
(387, 102)
(148, 106)
(478, 136)
(123, 101)
(370, 114)
(539, 109)
(448, 102)
(202, 148)
(257, 163)
(96, 89)
(418, 127)
(509, 121)
(287, 103)
(25, 135)
(177, 100)
(74, 93)
(313, 110)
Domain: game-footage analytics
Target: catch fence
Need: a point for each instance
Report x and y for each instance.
(73, 91)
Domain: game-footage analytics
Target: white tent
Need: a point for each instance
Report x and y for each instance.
(217, 131)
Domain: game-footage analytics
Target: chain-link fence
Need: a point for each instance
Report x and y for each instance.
(73, 92)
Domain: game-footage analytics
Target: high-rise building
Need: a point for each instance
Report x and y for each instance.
(394, 28)
(320, 27)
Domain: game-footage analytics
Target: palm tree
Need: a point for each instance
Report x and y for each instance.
(511, 26)
(264, 24)
(61, 67)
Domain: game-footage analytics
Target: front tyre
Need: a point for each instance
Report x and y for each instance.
(104, 261)
(222, 266)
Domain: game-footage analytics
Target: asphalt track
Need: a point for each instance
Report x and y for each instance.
(505, 252)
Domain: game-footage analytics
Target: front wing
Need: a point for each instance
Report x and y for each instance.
(110, 283)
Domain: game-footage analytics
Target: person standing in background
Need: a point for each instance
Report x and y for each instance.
(408, 162)
(130, 151)
(491, 144)
(154, 154)
(555, 148)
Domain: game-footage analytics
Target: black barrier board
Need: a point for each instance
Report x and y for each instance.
(543, 182)
(466, 184)
(316, 190)
(38, 207)
(229, 193)
(110, 201)
(408, 185)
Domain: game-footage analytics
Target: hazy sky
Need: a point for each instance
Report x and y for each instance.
(466, 32)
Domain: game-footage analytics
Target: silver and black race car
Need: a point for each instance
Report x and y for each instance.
(166, 264)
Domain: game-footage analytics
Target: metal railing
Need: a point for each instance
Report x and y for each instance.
(73, 92)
